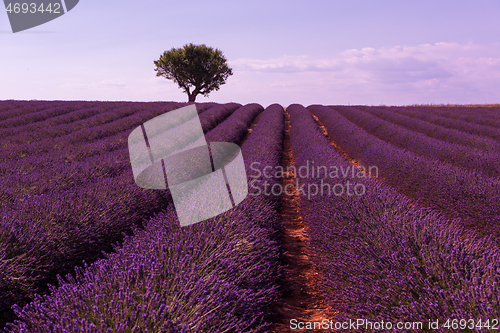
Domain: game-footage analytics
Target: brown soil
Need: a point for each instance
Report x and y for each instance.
(301, 299)
(469, 233)
(254, 123)
(351, 160)
(337, 147)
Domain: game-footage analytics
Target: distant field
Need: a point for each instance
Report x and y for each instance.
(461, 105)
(416, 241)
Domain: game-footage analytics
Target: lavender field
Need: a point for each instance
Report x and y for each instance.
(84, 249)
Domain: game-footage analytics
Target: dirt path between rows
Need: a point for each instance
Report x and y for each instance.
(301, 300)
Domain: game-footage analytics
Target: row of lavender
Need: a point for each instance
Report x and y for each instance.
(434, 131)
(77, 215)
(14, 108)
(462, 125)
(381, 257)
(74, 150)
(14, 113)
(486, 163)
(63, 118)
(218, 275)
(80, 130)
(480, 115)
(74, 158)
(453, 190)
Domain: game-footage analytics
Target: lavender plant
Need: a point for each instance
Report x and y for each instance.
(477, 160)
(219, 275)
(67, 211)
(452, 190)
(381, 256)
(479, 115)
(461, 125)
(240, 120)
(210, 118)
(433, 130)
(12, 109)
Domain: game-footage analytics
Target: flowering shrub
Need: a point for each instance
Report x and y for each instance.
(217, 275)
(73, 194)
(432, 130)
(383, 258)
(461, 125)
(453, 190)
(478, 114)
(473, 159)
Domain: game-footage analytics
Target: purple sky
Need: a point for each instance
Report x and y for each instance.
(326, 52)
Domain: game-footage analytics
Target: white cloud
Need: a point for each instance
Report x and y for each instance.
(441, 72)
(286, 64)
(111, 83)
(94, 85)
(428, 73)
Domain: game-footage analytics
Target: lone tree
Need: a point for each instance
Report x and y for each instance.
(194, 66)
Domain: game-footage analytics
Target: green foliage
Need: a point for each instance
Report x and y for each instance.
(194, 66)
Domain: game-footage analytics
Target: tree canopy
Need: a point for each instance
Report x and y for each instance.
(197, 69)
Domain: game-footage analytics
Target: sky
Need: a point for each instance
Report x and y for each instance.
(369, 52)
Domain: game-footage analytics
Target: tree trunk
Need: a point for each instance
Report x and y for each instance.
(192, 96)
